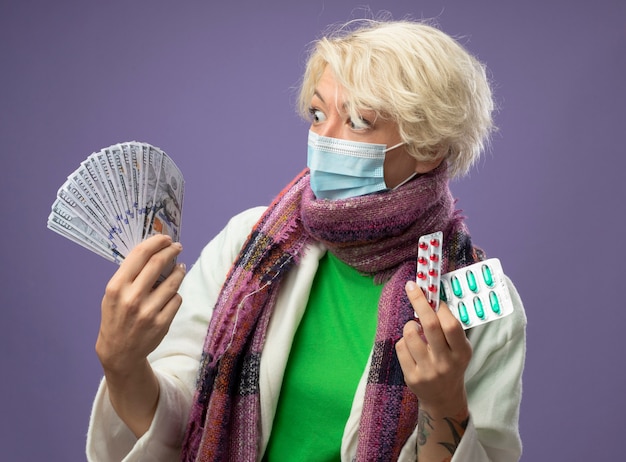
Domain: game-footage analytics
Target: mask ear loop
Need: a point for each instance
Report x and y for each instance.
(413, 175)
(394, 146)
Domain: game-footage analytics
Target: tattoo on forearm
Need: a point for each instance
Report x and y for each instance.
(424, 422)
(457, 429)
(425, 426)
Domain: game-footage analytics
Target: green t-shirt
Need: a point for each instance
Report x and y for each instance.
(326, 361)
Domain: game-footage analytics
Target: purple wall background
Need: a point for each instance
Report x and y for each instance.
(212, 86)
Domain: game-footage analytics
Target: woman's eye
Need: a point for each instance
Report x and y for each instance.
(359, 124)
(316, 115)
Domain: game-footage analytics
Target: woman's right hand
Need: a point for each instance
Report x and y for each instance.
(136, 315)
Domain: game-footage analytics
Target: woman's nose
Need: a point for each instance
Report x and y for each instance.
(330, 128)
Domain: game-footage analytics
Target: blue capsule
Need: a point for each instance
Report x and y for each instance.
(471, 281)
(463, 316)
(478, 308)
(494, 302)
(487, 275)
(456, 287)
(442, 292)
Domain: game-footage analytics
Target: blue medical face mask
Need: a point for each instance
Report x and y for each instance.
(341, 169)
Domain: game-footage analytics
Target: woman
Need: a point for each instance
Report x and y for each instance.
(312, 351)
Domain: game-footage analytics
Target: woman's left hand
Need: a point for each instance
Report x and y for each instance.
(434, 355)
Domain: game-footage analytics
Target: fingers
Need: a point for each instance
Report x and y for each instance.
(433, 353)
(412, 348)
(156, 265)
(134, 282)
(166, 315)
(451, 327)
(441, 329)
(136, 260)
(428, 318)
(135, 319)
(165, 297)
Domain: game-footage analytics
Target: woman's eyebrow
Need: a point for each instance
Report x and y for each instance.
(344, 106)
(317, 93)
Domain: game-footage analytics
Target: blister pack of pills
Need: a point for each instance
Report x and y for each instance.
(476, 294)
(429, 266)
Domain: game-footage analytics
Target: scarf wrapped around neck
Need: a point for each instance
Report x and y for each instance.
(377, 235)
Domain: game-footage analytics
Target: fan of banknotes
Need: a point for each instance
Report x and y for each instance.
(118, 197)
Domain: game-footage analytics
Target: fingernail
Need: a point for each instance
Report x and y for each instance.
(183, 267)
(178, 245)
(411, 286)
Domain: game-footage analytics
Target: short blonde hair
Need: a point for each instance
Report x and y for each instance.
(418, 76)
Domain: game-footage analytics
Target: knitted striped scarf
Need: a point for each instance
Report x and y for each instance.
(376, 234)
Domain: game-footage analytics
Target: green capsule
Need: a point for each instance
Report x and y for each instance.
(456, 287)
(487, 276)
(471, 281)
(442, 292)
(463, 316)
(494, 302)
(478, 308)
